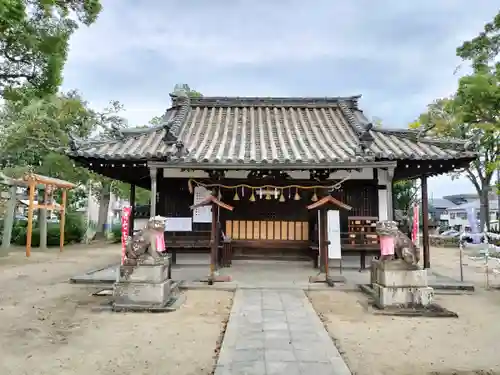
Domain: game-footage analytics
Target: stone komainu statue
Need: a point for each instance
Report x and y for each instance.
(404, 248)
(143, 244)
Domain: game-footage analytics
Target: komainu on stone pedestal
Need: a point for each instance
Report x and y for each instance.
(404, 248)
(398, 280)
(142, 247)
(143, 282)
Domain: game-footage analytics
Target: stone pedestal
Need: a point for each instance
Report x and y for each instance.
(144, 286)
(395, 284)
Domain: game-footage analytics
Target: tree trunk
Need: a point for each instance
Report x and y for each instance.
(9, 219)
(484, 209)
(104, 198)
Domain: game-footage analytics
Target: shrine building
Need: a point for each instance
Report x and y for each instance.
(255, 176)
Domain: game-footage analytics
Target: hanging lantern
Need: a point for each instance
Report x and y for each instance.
(282, 197)
(236, 196)
(276, 194)
(252, 197)
(314, 197)
(268, 195)
(242, 192)
(260, 193)
(297, 195)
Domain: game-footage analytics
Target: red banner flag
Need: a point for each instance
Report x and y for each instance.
(416, 224)
(125, 225)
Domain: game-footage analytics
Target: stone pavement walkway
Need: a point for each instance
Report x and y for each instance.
(273, 332)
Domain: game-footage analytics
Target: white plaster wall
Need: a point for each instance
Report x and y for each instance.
(385, 195)
(383, 208)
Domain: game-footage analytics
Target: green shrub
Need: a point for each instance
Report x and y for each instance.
(74, 232)
(440, 241)
(116, 233)
(75, 228)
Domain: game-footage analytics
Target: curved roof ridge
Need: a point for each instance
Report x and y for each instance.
(255, 101)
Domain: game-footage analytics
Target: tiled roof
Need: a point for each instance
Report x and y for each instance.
(441, 203)
(242, 131)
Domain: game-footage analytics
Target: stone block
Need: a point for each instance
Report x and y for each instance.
(134, 293)
(400, 278)
(398, 296)
(144, 273)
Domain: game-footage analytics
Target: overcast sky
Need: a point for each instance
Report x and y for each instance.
(400, 55)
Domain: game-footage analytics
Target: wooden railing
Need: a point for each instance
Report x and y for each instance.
(267, 230)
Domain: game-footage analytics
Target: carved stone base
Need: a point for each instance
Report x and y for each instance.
(402, 296)
(146, 285)
(144, 273)
(396, 284)
(147, 294)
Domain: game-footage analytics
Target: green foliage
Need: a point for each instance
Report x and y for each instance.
(74, 232)
(484, 48)
(116, 233)
(34, 37)
(471, 114)
(405, 193)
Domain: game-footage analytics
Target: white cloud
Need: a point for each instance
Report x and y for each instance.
(399, 54)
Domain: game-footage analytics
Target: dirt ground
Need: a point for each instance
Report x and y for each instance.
(375, 344)
(446, 261)
(47, 325)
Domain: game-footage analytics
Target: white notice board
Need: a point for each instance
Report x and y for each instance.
(179, 224)
(333, 224)
(201, 214)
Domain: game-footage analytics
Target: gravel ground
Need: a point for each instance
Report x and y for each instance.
(47, 326)
(446, 261)
(376, 345)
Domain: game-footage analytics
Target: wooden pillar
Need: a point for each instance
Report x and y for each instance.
(42, 216)
(29, 229)
(9, 218)
(132, 207)
(213, 245)
(323, 241)
(153, 172)
(425, 222)
(62, 220)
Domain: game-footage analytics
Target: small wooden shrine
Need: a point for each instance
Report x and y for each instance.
(276, 162)
(50, 185)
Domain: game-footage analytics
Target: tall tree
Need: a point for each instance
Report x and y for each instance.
(472, 114)
(483, 49)
(33, 132)
(483, 52)
(34, 37)
(405, 194)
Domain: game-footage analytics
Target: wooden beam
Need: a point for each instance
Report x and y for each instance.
(329, 200)
(425, 222)
(39, 179)
(213, 245)
(153, 173)
(323, 245)
(29, 229)
(62, 221)
(132, 207)
(46, 206)
(210, 199)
